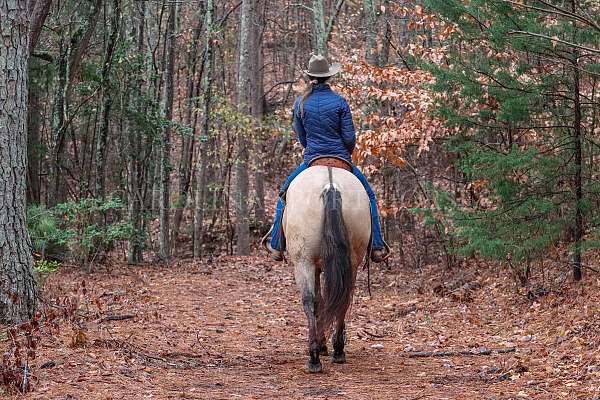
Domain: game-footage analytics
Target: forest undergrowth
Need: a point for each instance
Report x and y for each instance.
(233, 327)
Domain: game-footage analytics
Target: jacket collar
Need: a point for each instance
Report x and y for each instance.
(321, 87)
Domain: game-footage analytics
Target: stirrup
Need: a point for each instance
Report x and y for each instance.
(387, 252)
(265, 240)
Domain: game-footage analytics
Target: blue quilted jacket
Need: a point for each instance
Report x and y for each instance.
(325, 128)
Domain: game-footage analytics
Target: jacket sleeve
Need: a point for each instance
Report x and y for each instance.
(347, 127)
(298, 125)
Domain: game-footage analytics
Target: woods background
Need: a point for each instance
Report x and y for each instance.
(142, 144)
(160, 129)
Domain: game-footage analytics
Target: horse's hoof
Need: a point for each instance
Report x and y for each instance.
(339, 358)
(314, 368)
(323, 350)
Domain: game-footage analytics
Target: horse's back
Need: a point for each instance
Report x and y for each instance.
(303, 217)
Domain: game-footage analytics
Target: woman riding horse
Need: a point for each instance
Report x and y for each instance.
(323, 123)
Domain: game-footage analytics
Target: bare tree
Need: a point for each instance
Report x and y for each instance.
(165, 149)
(107, 100)
(244, 103)
(206, 146)
(322, 27)
(370, 31)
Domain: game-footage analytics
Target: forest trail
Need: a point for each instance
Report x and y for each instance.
(235, 329)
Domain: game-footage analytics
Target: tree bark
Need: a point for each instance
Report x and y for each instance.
(165, 148)
(257, 113)
(320, 45)
(578, 182)
(17, 284)
(206, 145)
(247, 52)
(371, 31)
(39, 10)
(59, 116)
(387, 35)
(34, 122)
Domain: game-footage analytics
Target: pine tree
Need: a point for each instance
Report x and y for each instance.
(520, 83)
(17, 284)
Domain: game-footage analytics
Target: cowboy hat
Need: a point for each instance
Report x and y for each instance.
(319, 67)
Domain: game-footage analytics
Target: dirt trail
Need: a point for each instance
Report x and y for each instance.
(235, 329)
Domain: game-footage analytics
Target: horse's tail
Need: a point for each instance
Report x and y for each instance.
(335, 255)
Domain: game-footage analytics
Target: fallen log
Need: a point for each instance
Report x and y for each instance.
(479, 352)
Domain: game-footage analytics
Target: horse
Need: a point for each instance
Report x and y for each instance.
(327, 227)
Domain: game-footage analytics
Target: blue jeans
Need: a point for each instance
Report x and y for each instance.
(375, 227)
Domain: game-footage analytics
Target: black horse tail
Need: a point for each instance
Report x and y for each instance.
(335, 255)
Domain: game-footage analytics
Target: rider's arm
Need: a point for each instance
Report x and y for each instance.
(347, 127)
(298, 126)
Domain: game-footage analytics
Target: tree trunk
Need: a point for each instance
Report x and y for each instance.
(578, 183)
(187, 149)
(34, 122)
(371, 31)
(384, 57)
(207, 140)
(135, 169)
(247, 52)
(107, 101)
(59, 116)
(39, 10)
(323, 28)
(320, 41)
(17, 284)
(165, 148)
(257, 113)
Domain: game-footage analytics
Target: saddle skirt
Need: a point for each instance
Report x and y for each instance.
(331, 162)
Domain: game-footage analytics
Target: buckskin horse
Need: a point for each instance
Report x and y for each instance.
(327, 231)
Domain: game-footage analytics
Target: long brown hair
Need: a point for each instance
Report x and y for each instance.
(314, 81)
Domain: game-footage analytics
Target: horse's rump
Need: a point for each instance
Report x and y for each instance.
(303, 215)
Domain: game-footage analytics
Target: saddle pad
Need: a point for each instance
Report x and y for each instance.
(331, 162)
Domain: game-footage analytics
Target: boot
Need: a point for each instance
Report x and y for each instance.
(275, 254)
(380, 255)
(266, 244)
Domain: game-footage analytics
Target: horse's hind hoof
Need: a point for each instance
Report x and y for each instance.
(314, 368)
(339, 358)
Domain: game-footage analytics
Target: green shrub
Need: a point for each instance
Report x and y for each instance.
(48, 237)
(81, 230)
(46, 266)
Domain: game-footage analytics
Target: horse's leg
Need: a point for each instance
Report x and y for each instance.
(339, 339)
(318, 309)
(305, 278)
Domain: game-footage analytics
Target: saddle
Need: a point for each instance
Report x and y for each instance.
(331, 162)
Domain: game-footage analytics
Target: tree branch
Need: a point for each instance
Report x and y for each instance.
(39, 11)
(333, 19)
(307, 8)
(555, 39)
(558, 11)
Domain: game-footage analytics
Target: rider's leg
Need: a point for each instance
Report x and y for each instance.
(275, 239)
(378, 243)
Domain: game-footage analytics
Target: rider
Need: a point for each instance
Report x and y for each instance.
(323, 123)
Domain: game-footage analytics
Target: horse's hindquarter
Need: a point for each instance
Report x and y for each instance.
(303, 216)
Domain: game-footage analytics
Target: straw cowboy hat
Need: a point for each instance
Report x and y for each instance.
(319, 67)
